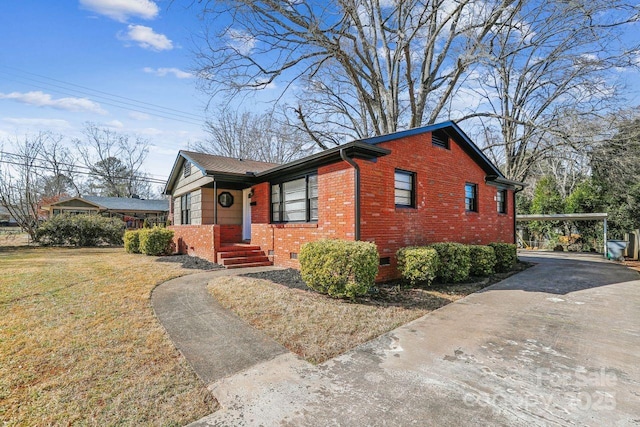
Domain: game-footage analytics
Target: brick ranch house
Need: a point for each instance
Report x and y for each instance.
(414, 187)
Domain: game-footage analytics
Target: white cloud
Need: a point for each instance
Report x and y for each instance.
(41, 99)
(146, 38)
(37, 123)
(136, 115)
(151, 131)
(162, 72)
(115, 124)
(241, 41)
(163, 150)
(122, 10)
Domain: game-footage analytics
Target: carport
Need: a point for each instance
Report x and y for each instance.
(570, 217)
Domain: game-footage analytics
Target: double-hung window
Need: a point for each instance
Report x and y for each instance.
(471, 197)
(295, 200)
(185, 209)
(501, 201)
(405, 189)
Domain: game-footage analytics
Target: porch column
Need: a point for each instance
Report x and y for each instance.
(215, 202)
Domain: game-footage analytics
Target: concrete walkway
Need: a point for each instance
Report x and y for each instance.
(555, 345)
(213, 340)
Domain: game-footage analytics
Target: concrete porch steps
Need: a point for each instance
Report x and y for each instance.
(240, 255)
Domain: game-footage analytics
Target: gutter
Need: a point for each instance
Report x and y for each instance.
(343, 156)
(504, 181)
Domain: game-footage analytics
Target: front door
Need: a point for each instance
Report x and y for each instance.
(246, 214)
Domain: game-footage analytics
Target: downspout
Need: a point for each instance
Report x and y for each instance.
(343, 156)
(516, 191)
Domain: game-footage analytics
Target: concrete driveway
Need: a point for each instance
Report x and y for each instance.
(558, 344)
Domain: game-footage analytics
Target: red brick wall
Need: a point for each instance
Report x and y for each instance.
(230, 233)
(440, 213)
(197, 240)
(335, 213)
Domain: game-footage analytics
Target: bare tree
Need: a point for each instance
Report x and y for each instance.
(21, 174)
(114, 161)
(254, 136)
(358, 67)
(63, 178)
(549, 66)
(615, 161)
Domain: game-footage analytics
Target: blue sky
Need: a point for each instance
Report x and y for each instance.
(66, 62)
(57, 55)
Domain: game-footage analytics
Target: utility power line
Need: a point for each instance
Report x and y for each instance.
(87, 173)
(109, 98)
(72, 165)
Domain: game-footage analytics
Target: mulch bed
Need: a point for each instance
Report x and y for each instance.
(395, 292)
(632, 264)
(191, 262)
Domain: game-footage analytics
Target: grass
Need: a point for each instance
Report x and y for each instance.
(317, 327)
(80, 345)
(13, 236)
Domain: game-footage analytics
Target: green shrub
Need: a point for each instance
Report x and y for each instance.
(155, 241)
(418, 264)
(506, 256)
(339, 268)
(483, 260)
(454, 262)
(80, 230)
(132, 241)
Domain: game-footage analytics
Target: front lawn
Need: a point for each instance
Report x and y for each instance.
(13, 236)
(318, 327)
(79, 343)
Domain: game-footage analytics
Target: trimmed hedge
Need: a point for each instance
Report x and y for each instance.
(506, 256)
(156, 241)
(483, 260)
(418, 264)
(80, 230)
(132, 241)
(339, 268)
(454, 262)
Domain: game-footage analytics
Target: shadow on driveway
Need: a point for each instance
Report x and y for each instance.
(555, 345)
(565, 272)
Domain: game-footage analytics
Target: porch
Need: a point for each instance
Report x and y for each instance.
(215, 224)
(218, 243)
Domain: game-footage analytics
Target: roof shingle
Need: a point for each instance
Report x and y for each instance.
(128, 204)
(212, 164)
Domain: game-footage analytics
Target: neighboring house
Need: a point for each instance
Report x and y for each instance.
(415, 187)
(131, 210)
(6, 220)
